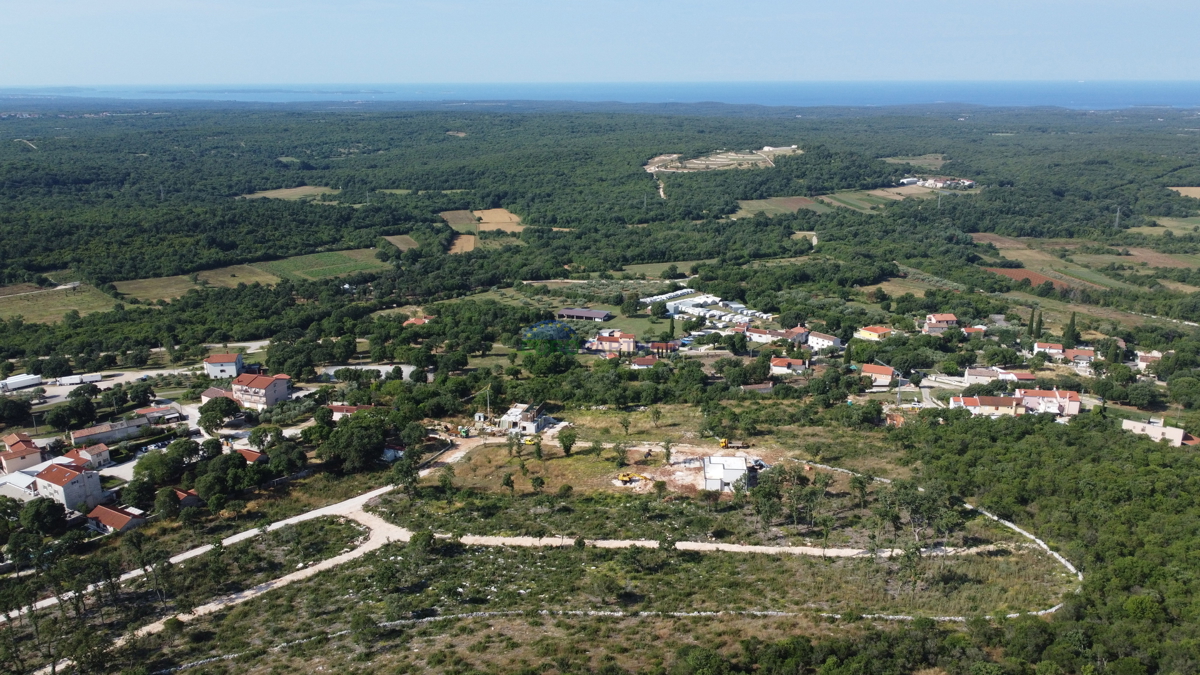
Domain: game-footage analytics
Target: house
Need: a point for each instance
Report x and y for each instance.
(764, 388)
(782, 366)
(821, 342)
(936, 324)
(581, 314)
(213, 392)
(881, 376)
(523, 418)
(418, 321)
(188, 498)
(720, 473)
(796, 335)
(614, 341)
(260, 391)
(1146, 359)
(253, 456)
(762, 335)
(113, 431)
(981, 375)
(1064, 403)
(72, 485)
(664, 347)
(220, 366)
(110, 519)
(644, 363)
(1079, 356)
(340, 411)
(1156, 431)
(873, 333)
(93, 457)
(159, 414)
(20, 455)
(1050, 349)
(12, 439)
(992, 406)
(972, 331)
(1009, 376)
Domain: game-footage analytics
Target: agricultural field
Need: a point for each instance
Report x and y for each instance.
(294, 194)
(50, 306)
(1188, 191)
(402, 241)
(653, 270)
(1035, 279)
(497, 219)
(463, 243)
(1175, 226)
(776, 206)
(930, 161)
(903, 192)
(324, 265)
(166, 288)
(461, 221)
(860, 200)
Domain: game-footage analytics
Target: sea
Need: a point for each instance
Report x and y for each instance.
(1079, 95)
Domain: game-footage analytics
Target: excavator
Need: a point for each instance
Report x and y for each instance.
(628, 477)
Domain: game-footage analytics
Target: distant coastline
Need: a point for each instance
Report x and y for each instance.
(1098, 95)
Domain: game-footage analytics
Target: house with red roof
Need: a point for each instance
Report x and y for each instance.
(221, 366)
(418, 321)
(936, 324)
(881, 376)
(93, 457)
(188, 498)
(643, 363)
(113, 431)
(261, 391)
(340, 411)
(21, 454)
(110, 519)
(1063, 403)
(72, 485)
(253, 456)
(992, 406)
(782, 366)
(1050, 349)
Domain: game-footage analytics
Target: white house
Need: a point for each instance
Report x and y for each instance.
(1156, 431)
(221, 366)
(110, 519)
(113, 431)
(1064, 403)
(1050, 349)
(71, 485)
(782, 366)
(523, 418)
(720, 473)
(260, 391)
(820, 341)
(92, 457)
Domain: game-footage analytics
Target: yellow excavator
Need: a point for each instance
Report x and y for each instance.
(628, 477)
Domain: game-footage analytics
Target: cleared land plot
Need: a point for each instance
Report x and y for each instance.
(744, 159)
(1045, 264)
(1056, 313)
(463, 243)
(656, 269)
(324, 265)
(776, 206)
(1173, 225)
(293, 194)
(859, 200)
(931, 161)
(498, 219)
(166, 288)
(1188, 191)
(902, 192)
(402, 241)
(1176, 286)
(461, 221)
(49, 306)
(1035, 279)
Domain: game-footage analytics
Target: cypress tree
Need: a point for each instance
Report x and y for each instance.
(1070, 334)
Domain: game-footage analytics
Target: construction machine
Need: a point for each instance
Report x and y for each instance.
(628, 477)
(736, 445)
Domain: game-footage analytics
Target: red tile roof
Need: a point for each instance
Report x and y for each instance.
(222, 358)
(257, 381)
(15, 438)
(646, 361)
(1042, 393)
(60, 474)
(878, 330)
(941, 318)
(21, 450)
(1048, 345)
(872, 369)
(250, 455)
(113, 517)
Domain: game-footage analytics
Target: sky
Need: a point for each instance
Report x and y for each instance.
(211, 42)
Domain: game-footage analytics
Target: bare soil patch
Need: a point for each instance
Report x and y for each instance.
(1156, 259)
(292, 194)
(463, 243)
(1035, 278)
(902, 192)
(1188, 191)
(457, 134)
(453, 218)
(402, 241)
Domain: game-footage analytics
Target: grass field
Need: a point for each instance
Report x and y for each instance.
(293, 194)
(17, 289)
(858, 200)
(777, 206)
(653, 270)
(49, 306)
(461, 221)
(903, 192)
(324, 265)
(1173, 225)
(402, 241)
(166, 288)
(930, 161)
(1188, 191)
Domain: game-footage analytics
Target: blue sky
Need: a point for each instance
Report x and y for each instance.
(114, 42)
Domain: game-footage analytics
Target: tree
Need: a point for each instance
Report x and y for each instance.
(860, 483)
(658, 310)
(166, 503)
(405, 472)
(356, 444)
(88, 390)
(631, 306)
(507, 482)
(59, 418)
(141, 393)
(44, 516)
(655, 415)
(210, 422)
(1070, 334)
(567, 438)
(323, 416)
(537, 483)
(138, 492)
(537, 449)
(265, 435)
(221, 405)
(82, 410)
(666, 453)
(624, 421)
